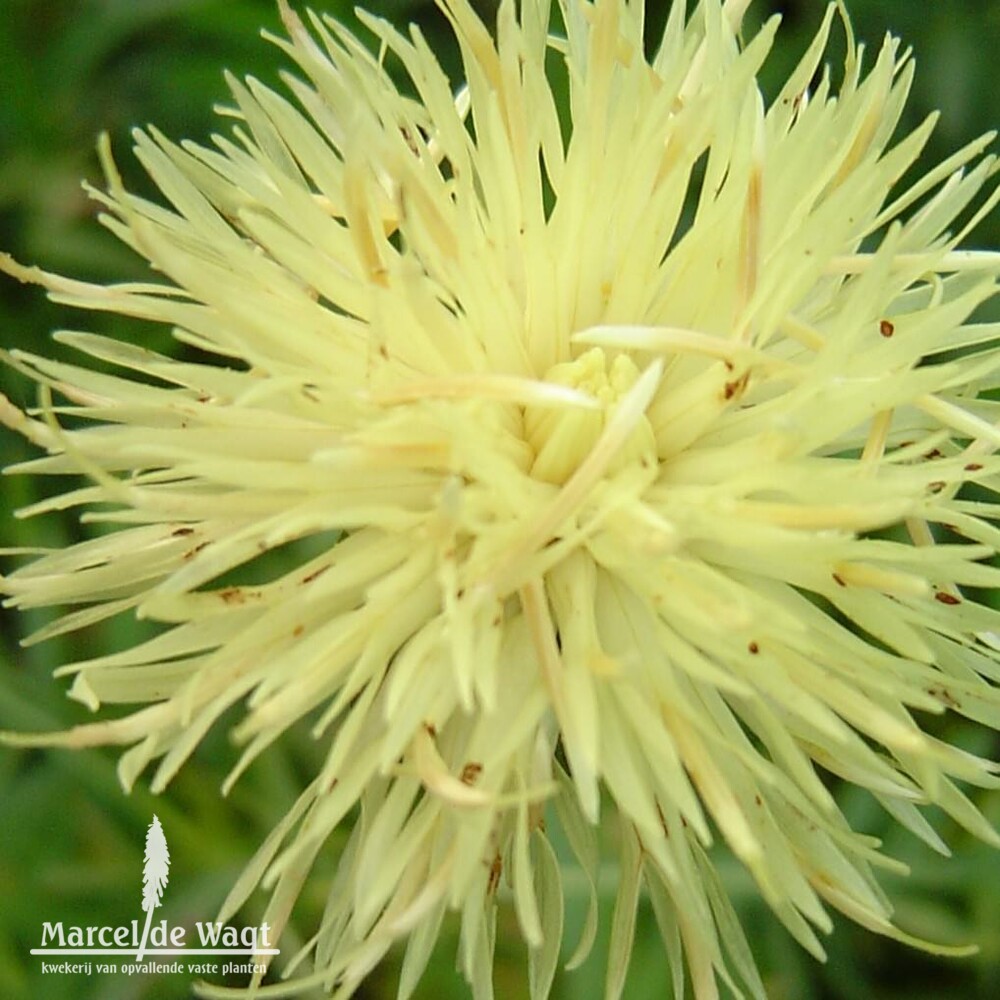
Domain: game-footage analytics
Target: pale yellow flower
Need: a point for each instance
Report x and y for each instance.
(644, 453)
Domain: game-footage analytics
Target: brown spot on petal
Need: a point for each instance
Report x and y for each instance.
(496, 869)
(191, 553)
(839, 580)
(946, 598)
(314, 574)
(663, 822)
(753, 648)
(470, 772)
(886, 328)
(737, 387)
(944, 696)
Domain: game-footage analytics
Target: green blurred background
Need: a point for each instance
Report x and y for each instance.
(70, 842)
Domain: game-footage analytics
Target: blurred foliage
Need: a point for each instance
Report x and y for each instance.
(70, 842)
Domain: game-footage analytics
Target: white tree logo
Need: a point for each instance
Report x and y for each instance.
(154, 876)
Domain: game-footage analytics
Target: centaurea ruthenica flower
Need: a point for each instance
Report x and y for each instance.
(644, 429)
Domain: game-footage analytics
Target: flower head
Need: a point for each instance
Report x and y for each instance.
(632, 441)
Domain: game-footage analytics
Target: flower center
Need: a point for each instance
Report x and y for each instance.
(562, 438)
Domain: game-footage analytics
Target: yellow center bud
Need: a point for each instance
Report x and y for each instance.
(562, 438)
